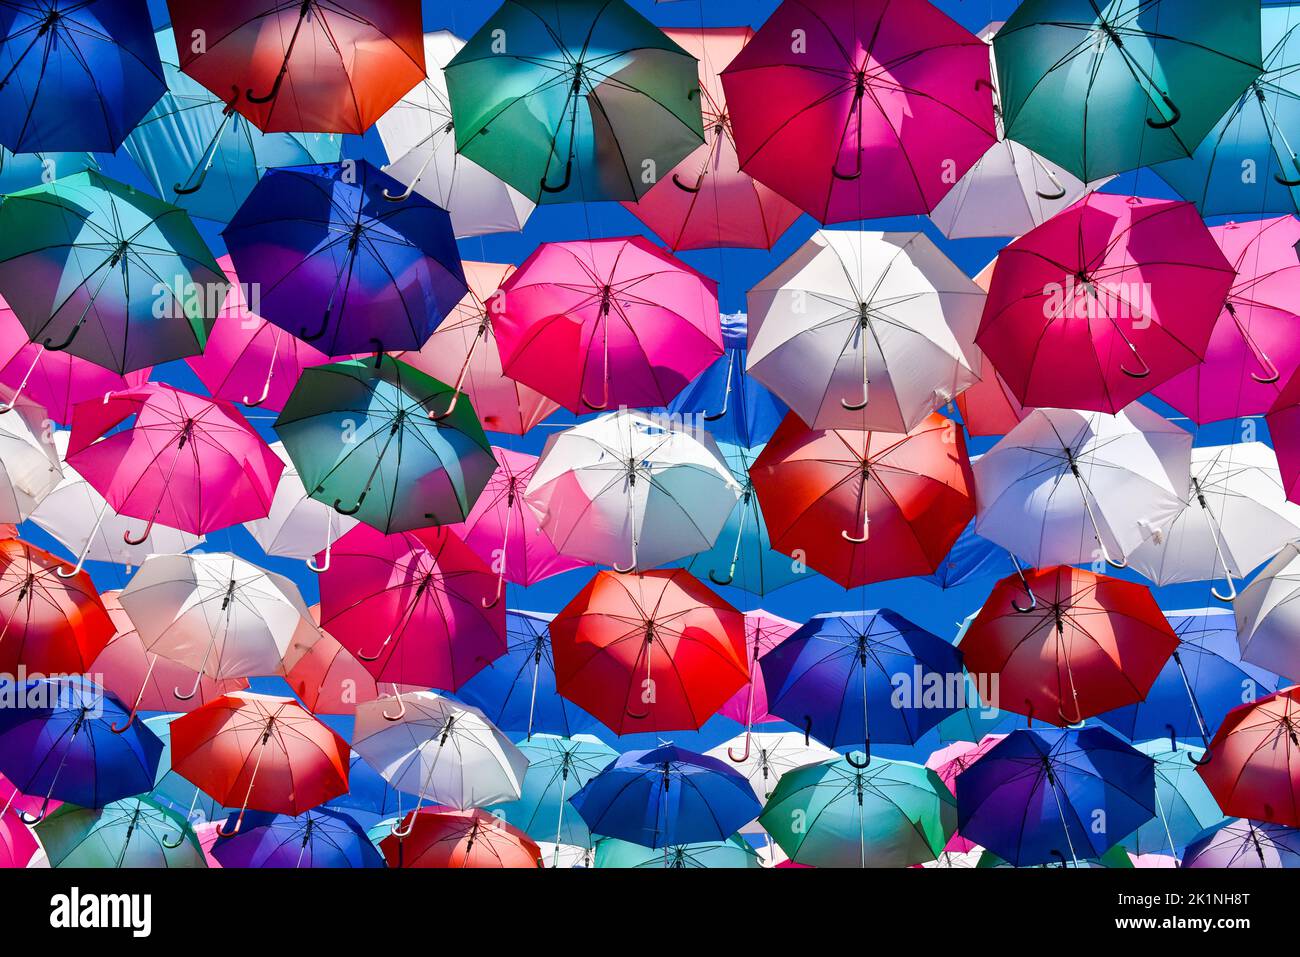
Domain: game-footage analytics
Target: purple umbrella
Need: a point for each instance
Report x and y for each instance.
(1243, 843)
(319, 838)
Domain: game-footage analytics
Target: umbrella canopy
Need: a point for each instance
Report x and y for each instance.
(100, 269)
(320, 67)
(971, 558)
(763, 632)
(370, 438)
(1267, 617)
(606, 322)
(1104, 301)
(949, 763)
(448, 838)
(558, 768)
(1184, 805)
(297, 525)
(77, 76)
(1253, 758)
(1284, 429)
(172, 791)
(1161, 73)
(319, 838)
(595, 101)
(133, 832)
(1238, 844)
(327, 677)
(864, 330)
(18, 846)
(29, 465)
(763, 757)
(872, 108)
(651, 652)
(861, 507)
(734, 852)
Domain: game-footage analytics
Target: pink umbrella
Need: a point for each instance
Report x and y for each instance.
(186, 461)
(1254, 348)
(56, 381)
(247, 359)
(857, 109)
(1284, 429)
(503, 531)
(415, 607)
(17, 843)
(763, 632)
(463, 350)
(607, 322)
(948, 763)
(1105, 300)
(706, 201)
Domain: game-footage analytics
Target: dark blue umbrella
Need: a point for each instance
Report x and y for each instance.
(58, 737)
(971, 557)
(517, 690)
(1055, 795)
(370, 798)
(338, 265)
(666, 796)
(319, 838)
(837, 678)
(75, 74)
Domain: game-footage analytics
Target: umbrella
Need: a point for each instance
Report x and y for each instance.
(838, 814)
(463, 351)
(370, 800)
(1266, 615)
(873, 108)
(971, 558)
(1184, 805)
(651, 652)
(988, 407)
(29, 464)
(259, 752)
(1234, 518)
(855, 677)
(1247, 162)
(172, 791)
(24, 170)
(419, 136)
(197, 150)
(339, 266)
(327, 677)
(172, 458)
(766, 756)
(1067, 487)
(75, 76)
(1251, 349)
(1284, 429)
(949, 763)
(320, 67)
(666, 796)
(1241, 844)
(733, 852)
(1159, 73)
(1039, 796)
(445, 752)
(861, 507)
(606, 322)
(297, 525)
(864, 331)
(132, 832)
(414, 607)
(18, 846)
(1104, 301)
(366, 439)
(595, 102)
(1252, 762)
(449, 838)
(763, 632)
(631, 491)
(100, 269)
(707, 201)
(319, 838)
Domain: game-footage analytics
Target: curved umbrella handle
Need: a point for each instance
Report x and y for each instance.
(744, 755)
(855, 406)
(1075, 723)
(721, 581)
(400, 832)
(403, 195)
(401, 705)
(564, 184)
(338, 505)
(439, 416)
(1283, 181)
(329, 548)
(1033, 604)
(1141, 373)
(306, 336)
(1057, 853)
(496, 599)
(239, 822)
(866, 759)
(689, 189)
(1177, 115)
(198, 680)
(50, 346)
(143, 536)
(638, 715)
(180, 839)
(31, 820)
(1059, 194)
(856, 540)
(1232, 591)
(807, 730)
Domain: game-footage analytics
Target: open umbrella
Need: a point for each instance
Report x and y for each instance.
(734, 852)
(449, 838)
(297, 525)
(1267, 616)
(29, 464)
(763, 632)
(764, 756)
(1239, 844)
(1254, 759)
(132, 832)
(319, 838)
(1184, 805)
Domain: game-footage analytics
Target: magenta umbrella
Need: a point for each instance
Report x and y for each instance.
(162, 455)
(1254, 348)
(607, 322)
(763, 632)
(247, 359)
(857, 109)
(1104, 301)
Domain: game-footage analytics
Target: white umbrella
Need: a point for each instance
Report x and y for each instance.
(444, 751)
(868, 331)
(298, 526)
(1235, 517)
(767, 756)
(420, 140)
(1268, 615)
(629, 488)
(29, 467)
(1068, 488)
(215, 613)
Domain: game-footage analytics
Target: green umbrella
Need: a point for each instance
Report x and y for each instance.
(374, 439)
(833, 814)
(1116, 858)
(134, 832)
(574, 101)
(733, 852)
(107, 272)
(1104, 86)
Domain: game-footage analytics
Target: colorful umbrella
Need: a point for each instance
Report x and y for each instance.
(763, 632)
(448, 838)
(1238, 844)
(1184, 805)
(1252, 763)
(734, 852)
(133, 832)
(319, 838)
(297, 525)
(764, 756)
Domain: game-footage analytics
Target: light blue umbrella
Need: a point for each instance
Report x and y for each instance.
(731, 853)
(1184, 805)
(25, 170)
(170, 789)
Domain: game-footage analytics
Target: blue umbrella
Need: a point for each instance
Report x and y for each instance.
(340, 266)
(25, 170)
(370, 798)
(971, 557)
(75, 74)
(169, 788)
(666, 796)
(1055, 795)
(851, 677)
(517, 691)
(320, 838)
(1241, 844)
(57, 738)
(1184, 805)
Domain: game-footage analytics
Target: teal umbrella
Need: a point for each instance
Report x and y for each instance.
(172, 791)
(134, 832)
(1184, 805)
(734, 852)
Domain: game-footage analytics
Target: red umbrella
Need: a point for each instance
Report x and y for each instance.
(320, 66)
(863, 507)
(651, 652)
(1104, 301)
(261, 752)
(53, 622)
(1253, 769)
(433, 837)
(1063, 644)
(415, 607)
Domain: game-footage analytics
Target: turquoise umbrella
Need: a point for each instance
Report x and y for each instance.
(734, 852)
(25, 170)
(1184, 805)
(134, 832)
(172, 791)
